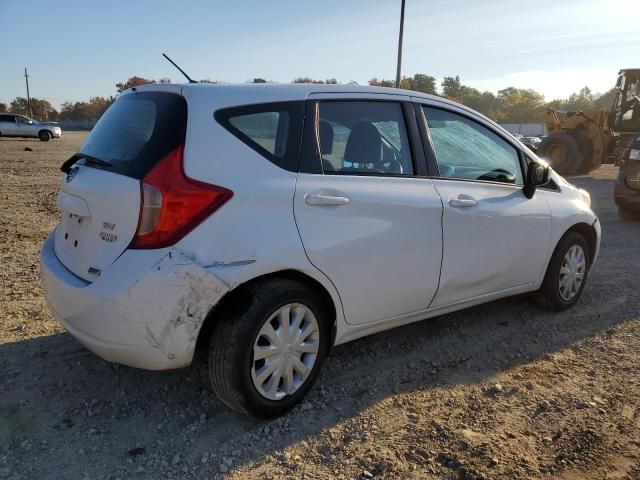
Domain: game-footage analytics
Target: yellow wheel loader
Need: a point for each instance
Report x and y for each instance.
(579, 142)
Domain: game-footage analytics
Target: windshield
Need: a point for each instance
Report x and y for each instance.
(137, 131)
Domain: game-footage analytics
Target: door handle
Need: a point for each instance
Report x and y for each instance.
(319, 199)
(463, 202)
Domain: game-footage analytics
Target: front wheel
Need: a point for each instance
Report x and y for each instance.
(267, 348)
(44, 136)
(566, 274)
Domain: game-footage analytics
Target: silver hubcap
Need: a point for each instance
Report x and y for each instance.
(572, 272)
(285, 351)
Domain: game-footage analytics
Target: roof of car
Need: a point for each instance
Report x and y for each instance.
(279, 92)
(291, 91)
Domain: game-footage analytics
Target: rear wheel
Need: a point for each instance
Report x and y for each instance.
(562, 152)
(44, 136)
(266, 350)
(566, 274)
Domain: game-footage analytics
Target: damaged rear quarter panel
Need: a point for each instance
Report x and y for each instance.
(171, 302)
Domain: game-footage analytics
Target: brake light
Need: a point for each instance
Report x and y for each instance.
(172, 204)
(625, 154)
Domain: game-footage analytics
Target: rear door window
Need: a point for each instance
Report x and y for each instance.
(363, 137)
(274, 130)
(137, 131)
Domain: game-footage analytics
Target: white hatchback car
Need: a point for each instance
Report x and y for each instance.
(12, 125)
(270, 222)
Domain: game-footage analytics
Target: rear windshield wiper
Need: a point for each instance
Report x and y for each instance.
(66, 166)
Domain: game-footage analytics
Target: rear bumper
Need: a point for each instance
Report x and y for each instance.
(144, 311)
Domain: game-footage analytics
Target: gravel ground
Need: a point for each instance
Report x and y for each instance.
(501, 391)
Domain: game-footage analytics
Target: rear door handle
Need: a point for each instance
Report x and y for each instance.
(325, 199)
(463, 202)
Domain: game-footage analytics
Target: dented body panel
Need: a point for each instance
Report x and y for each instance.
(149, 320)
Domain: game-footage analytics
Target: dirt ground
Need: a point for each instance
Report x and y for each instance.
(501, 391)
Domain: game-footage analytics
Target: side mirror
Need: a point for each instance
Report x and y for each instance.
(537, 176)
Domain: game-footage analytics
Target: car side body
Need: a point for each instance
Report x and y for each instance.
(380, 251)
(15, 125)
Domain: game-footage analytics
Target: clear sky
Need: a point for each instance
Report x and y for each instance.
(77, 49)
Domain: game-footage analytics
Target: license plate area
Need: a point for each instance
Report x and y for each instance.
(73, 227)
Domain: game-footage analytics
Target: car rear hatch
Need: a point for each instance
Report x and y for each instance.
(100, 196)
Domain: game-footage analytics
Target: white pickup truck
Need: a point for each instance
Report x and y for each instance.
(12, 125)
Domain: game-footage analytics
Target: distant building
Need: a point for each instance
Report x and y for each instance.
(526, 129)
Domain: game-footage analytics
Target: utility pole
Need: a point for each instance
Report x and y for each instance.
(26, 78)
(400, 45)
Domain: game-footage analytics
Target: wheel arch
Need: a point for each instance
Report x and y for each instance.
(590, 235)
(240, 293)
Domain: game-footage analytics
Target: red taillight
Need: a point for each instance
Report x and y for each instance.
(171, 204)
(625, 154)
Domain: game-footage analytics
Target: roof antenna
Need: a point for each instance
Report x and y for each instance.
(181, 71)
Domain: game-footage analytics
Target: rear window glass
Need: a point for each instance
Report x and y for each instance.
(137, 131)
(274, 130)
(263, 128)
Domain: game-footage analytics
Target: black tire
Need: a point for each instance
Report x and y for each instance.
(589, 161)
(562, 152)
(549, 297)
(628, 215)
(233, 337)
(44, 136)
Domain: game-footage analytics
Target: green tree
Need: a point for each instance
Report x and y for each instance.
(132, 82)
(424, 83)
(520, 105)
(452, 88)
(311, 80)
(419, 83)
(3, 107)
(581, 101)
(41, 109)
(484, 102)
(374, 82)
(86, 111)
(605, 99)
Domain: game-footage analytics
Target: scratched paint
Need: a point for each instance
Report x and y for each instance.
(237, 263)
(172, 301)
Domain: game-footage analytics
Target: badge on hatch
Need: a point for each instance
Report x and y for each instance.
(72, 173)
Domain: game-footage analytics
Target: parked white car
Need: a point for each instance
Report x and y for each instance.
(271, 222)
(13, 125)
